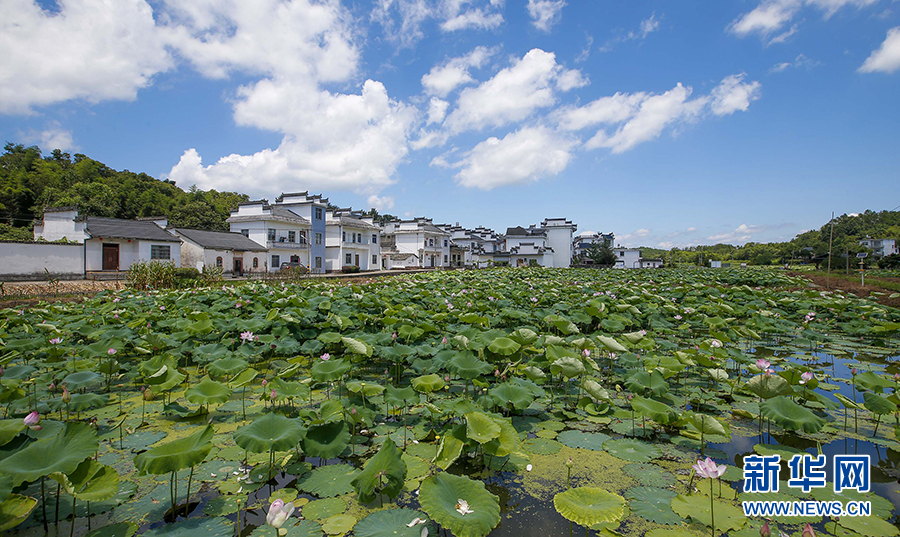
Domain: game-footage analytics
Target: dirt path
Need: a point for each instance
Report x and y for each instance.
(853, 286)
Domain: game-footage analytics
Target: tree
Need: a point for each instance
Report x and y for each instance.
(602, 255)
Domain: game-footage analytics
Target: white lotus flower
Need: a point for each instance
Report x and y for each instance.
(415, 521)
(462, 507)
(528, 468)
(279, 513)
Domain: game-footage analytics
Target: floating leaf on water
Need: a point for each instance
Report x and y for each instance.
(578, 439)
(631, 450)
(339, 524)
(587, 506)
(696, 507)
(392, 523)
(440, 494)
(324, 508)
(653, 504)
(328, 481)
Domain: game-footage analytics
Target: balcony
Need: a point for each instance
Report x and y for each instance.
(285, 245)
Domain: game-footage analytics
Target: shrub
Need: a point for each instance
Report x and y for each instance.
(349, 269)
(185, 273)
(152, 275)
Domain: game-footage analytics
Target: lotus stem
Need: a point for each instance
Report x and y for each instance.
(187, 501)
(72, 530)
(712, 511)
(44, 504)
(58, 490)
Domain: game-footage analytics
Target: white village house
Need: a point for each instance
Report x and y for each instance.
(880, 247)
(414, 243)
(351, 240)
(233, 252)
(110, 244)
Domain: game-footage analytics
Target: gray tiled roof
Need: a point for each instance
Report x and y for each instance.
(278, 214)
(118, 228)
(220, 240)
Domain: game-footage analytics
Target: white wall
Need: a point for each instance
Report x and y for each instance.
(560, 239)
(26, 261)
(61, 224)
(129, 252)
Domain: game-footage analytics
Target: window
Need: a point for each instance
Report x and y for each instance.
(160, 252)
(245, 232)
(318, 262)
(374, 238)
(318, 238)
(445, 259)
(292, 236)
(318, 213)
(255, 262)
(348, 259)
(445, 243)
(295, 259)
(276, 261)
(430, 242)
(302, 237)
(621, 254)
(344, 233)
(359, 238)
(272, 235)
(219, 261)
(374, 259)
(353, 237)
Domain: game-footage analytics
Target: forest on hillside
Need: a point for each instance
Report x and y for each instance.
(31, 182)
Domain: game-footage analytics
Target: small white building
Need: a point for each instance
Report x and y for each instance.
(351, 239)
(233, 252)
(627, 258)
(880, 247)
(414, 243)
(110, 244)
(651, 263)
(559, 239)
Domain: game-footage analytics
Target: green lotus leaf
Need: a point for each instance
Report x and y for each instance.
(14, 510)
(791, 416)
(165, 378)
(466, 366)
(208, 391)
(91, 481)
(243, 378)
(324, 508)
(225, 504)
(339, 524)
(696, 506)
(60, 453)
(847, 402)
(288, 389)
(872, 381)
(587, 506)
(329, 370)
(509, 394)
(384, 473)
(122, 529)
(83, 401)
(659, 412)
(579, 439)
(567, 366)
(870, 526)
(368, 389)
(768, 386)
(631, 450)
(524, 336)
(391, 523)
(207, 527)
(611, 344)
(449, 450)
(644, 381)
(708, 424)
(427, 383)
(227, 366)
(356, 346)
(327, 440)
(176, 455)
(649, 475)
(541, 446)
(329, 481)
(80, 380)
(634, 337)
(595, 390)
(534, 373)
(269, 432)
(439, 497)
(504, 346)
(481, 428)
(400, 396)
(505, 444)
(879, 404)
(9, 429)
(653, 504)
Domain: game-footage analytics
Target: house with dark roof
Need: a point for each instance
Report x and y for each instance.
(110, 244)
(233, 252)
(292, 230)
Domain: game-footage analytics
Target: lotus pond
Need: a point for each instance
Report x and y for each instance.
(524, 402)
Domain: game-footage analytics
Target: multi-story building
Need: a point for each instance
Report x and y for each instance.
(880, 247)
(414, 243)
(351, 239)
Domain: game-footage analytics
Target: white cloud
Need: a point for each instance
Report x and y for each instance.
(887, 58)
(742, 233)
(437, 109)
(800, 61)
(444, 78)
(332, 141)
(772, 15)
(477, 18)
(733, 94)
(523, 156)
(382, 203)
(91, 49)
(636, 234)
(570, 79)
(402, 20)
(52, 137)
(605, 110)
(545, 13)
(652, 117)
(586, 51)
(412, 14)
(647, 27)
(513, 94)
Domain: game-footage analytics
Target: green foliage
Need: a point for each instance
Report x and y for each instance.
(152, 275)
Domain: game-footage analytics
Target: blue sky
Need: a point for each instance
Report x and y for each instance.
(668, 123)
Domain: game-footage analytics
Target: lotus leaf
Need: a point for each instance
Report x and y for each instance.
(579, 439)
(327, 440)
(243, 378)
(505, 444)
(391, 523)
(270, 432)
(400, 396)
(207, 527)
(567, 366)
(768, 386)
(481, 428)
(870, 526)
(879, 404)
(14, 510)
(873, 382)
(165, 378)
(542, 446)
(589, 505)
(643, 381)
(329, 481)
(659, 412)
(328, 371)
(384, 473)
(91, 481)
(122, 529)
(60, 453)
(81, 380)
(791, 416)
(696, 506)
(368, 389)
(227, 366)
(706, 424)
(290, 390)
(508, 394)
(449, 450)
(338, 524)
(440, 494)
(595, 390)
(649, 475)
(176, 455)
(427, 383)
(504, 346)
(631, 450)
(611, 344)
(324, 508)
(208, 391)
(466, 366)
(9, 429)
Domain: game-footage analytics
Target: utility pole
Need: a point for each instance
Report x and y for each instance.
(830, 240)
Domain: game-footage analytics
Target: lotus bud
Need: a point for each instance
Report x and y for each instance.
(32, 419)
(569, 463)
(854, 371)
(111, 351)
(52, 387)
(264, 382)
(447, 378)
(325, 357)
(808, 531)
(444, 341)
(279, 513)
(273, 395)
(353, 411)
(765, 531)
(66, 397)
(148, 395)
(394, 335)
(496, 372)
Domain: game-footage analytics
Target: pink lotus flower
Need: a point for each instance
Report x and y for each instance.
(264, 382)
(678, 317)
(248, 336)
(763, 364)
(273, 395)
(806, 377)
(586, 353)
(325, 357)
(709, 469)
(162, 308)
(111, 351)
(32, 420)
(444, 341)
(716, 344)
(56, 341)
(238, 305)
